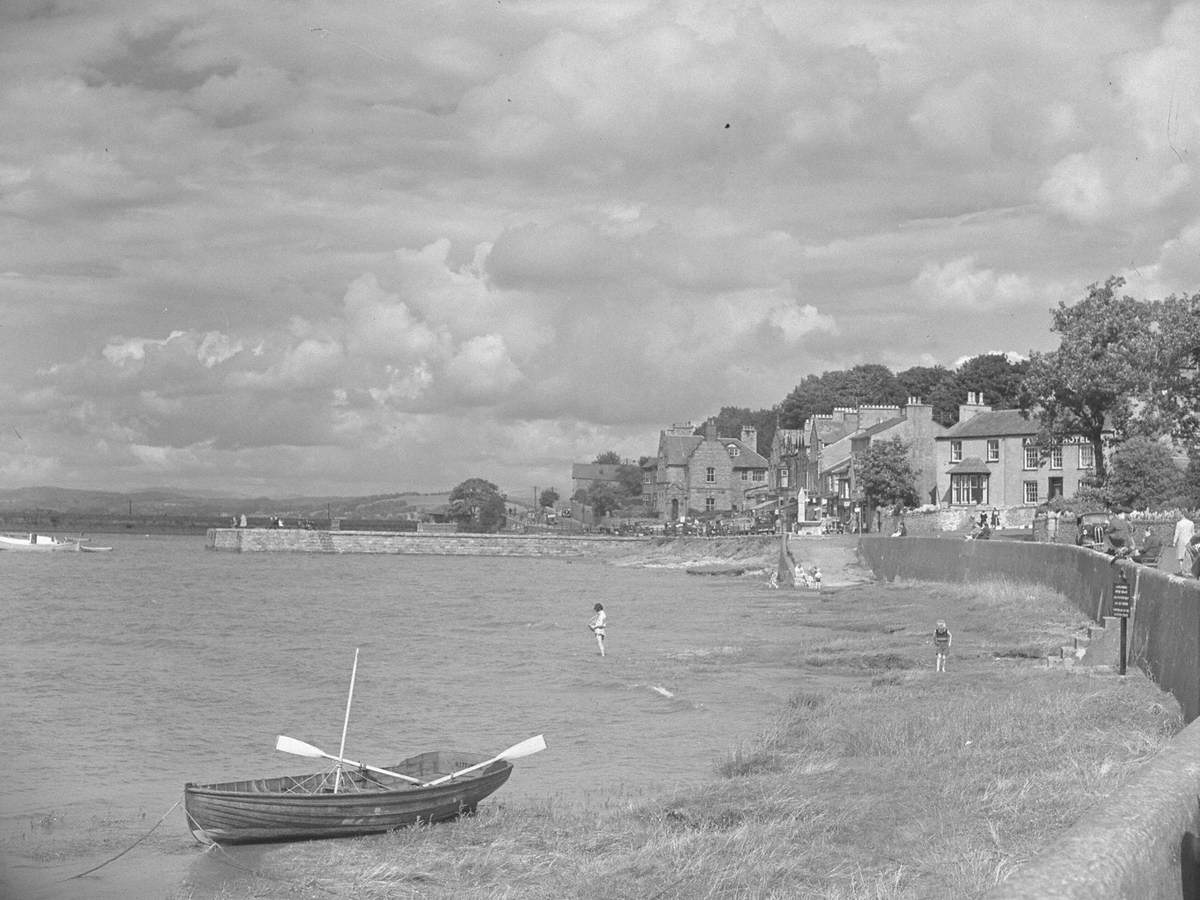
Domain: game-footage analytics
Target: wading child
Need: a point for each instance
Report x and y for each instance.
(597, 625)
(941, 645)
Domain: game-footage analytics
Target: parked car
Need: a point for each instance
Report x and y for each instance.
(1090, 529)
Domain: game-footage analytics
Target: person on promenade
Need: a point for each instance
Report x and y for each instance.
(597, 625)
(1149, 547)
(941, 645)
(1185, 529)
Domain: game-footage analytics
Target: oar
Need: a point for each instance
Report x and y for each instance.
(527, 747)
(299, 748)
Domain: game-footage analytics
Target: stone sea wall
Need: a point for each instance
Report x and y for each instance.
(298, 540)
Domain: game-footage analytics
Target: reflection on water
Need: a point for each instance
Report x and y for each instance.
(128, 673)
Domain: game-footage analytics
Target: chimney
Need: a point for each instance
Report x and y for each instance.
(973, 406)
(750, 437)
(710, 430)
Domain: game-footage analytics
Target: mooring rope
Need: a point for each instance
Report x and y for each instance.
(127, 849)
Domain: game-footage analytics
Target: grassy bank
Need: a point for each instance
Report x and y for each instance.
(880, 779)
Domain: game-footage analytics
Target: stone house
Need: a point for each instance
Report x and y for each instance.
(706, 474)
(991, 459)
(913, 425)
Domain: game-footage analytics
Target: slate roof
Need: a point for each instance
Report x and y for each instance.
(998, 423)
(972, 465)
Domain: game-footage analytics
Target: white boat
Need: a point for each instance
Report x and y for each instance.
(41, 543)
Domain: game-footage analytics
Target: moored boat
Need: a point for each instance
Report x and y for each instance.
(36, 542)
(344, 802)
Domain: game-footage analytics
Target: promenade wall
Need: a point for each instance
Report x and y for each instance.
(1142, 842)
(300, 540)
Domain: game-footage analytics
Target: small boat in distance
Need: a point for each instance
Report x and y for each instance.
(342, 803)
(40, 543)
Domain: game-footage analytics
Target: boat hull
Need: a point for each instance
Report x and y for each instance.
(297, 808)
(36, 543)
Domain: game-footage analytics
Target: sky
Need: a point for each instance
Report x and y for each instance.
(297, 248)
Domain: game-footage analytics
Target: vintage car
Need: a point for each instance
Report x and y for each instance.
(1090, 529)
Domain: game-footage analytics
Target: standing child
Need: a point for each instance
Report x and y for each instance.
(597, 625)
(941, 645)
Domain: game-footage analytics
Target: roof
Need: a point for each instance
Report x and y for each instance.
(678, 448)
(873, 430)
(842, 465)
(972, 465)
(595, 471)
(997, 423)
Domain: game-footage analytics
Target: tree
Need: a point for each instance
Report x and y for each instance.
(477, 505)
(994, 376)
(548, 497)
(629, 481)
(1170, 351)
(1087, 385)
(603, 498)
(608, 458)
(884, 474)
(1143, 474)
(920, 381)
(730, 420)
(865, 383)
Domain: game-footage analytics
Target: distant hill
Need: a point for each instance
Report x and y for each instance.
(168, 502)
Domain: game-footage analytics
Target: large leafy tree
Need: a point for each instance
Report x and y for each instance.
(1143, 474)
(884, 474)
(603, 497)
(548, 497)
(865, 383)
(921, 381)
(1089, 382)
(730, 420)
(608, 458)
(1170, 351)
(477, 505)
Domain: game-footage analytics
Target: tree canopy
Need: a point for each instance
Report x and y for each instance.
(1089, 383)
(1143, 474)
(477, 505)
(885, 475)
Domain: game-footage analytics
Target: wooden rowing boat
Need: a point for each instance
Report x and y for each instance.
(342, 803)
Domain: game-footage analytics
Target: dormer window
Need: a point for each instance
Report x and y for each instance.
(734, 451)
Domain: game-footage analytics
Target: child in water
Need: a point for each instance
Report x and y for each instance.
(941, 645)
(599, 620)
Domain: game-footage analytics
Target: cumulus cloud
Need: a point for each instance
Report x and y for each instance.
(287, 247)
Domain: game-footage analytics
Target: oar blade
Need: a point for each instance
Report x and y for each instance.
(527, 747)
(287, 744)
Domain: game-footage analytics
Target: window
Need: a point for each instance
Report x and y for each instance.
(968, 489)
(759, 475)
(733, 450)
(1056, 457)
(956, 451)
(1087, 456)
(710, 475)
(1031, 492)
(1031, 457)
(710, 504)
(745, 474)
(993, 450)
(783, 477)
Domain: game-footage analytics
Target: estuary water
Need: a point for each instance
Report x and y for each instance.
(125, 674)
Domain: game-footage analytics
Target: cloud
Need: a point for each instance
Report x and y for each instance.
(961, 283)
(298, 246)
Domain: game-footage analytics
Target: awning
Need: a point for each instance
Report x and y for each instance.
(972, 465)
